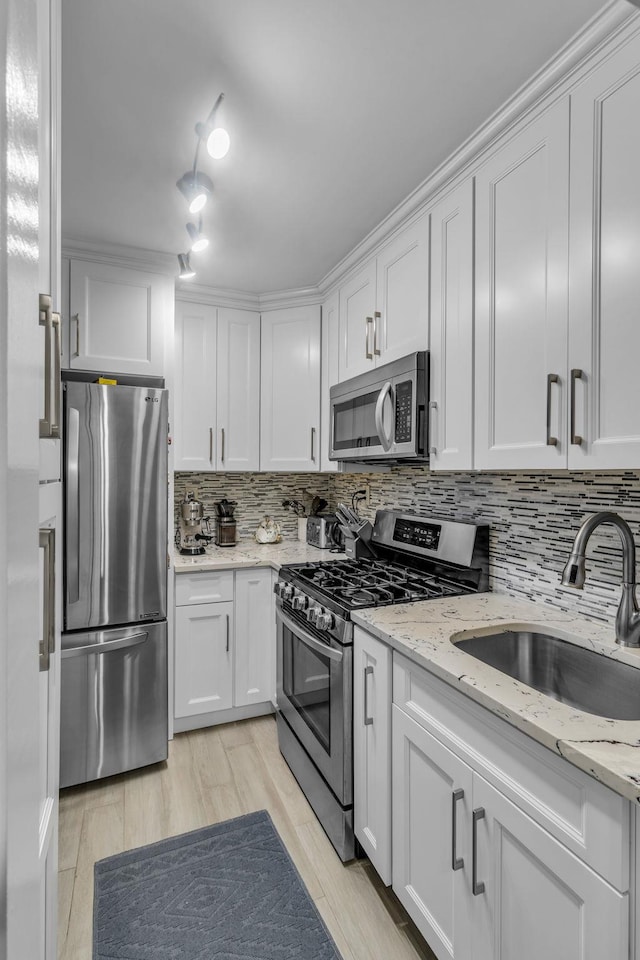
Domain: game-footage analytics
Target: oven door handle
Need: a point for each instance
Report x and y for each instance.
(309, 641)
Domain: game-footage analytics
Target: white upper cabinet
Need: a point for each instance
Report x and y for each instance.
(521, 297)
(401, 317)
(384, 307)
(217, 388)
(357, 307)
(330, 376)
(451, 326)
(238, 390)
(118, 319)
(604, 293)
(290, 389)
(195, 425)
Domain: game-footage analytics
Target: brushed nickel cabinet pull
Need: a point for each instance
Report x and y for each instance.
(76, 317)
(222, 444)
(457, 863)
(433, 409)
(551, 379)
(476, 886)
(313, 437)
(368, 671)
(576, 374)
(227, 633)
(56, 323)
(377, 316)
(367, 348)
(211, 444)
(45, 320)
(47, 644)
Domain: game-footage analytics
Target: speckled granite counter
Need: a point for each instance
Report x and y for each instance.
(248, 553)
(608, 750)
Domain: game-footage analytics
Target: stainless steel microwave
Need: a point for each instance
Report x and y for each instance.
(382, 414)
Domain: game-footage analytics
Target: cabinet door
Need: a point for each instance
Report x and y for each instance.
(539, 900)
(372, 749)
(521, 298)
(203, 674)
(118, 319)
(431, 817)
(451, 388)
(357, 306)
(290, 389)
(401, 321)
(194, 431)
(238, 390)
(329, 376)
(255, 647)
(604, 335)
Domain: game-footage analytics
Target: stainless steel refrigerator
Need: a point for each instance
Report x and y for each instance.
(114, 646)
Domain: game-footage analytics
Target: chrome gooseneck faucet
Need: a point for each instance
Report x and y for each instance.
(573, 575)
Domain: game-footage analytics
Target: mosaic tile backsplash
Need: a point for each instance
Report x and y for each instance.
(533, 518)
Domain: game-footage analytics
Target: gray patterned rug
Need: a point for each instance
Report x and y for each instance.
(229, 892)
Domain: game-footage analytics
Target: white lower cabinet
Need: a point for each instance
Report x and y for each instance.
(499, 849)
(224, 657)
(371, 749)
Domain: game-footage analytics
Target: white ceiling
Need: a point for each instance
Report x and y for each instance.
(337, 110)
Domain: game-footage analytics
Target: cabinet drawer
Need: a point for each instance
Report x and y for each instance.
(587, 817)
(209, 587)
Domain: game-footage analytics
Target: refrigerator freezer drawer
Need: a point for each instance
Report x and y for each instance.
(114, 706)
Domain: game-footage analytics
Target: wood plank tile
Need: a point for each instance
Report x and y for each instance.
(334, 928)
(266, 738)
(69, 829)
(209, 758)
(65, 894)
(146, 817)
(235, 734)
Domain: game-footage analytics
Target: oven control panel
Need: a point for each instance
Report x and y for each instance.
(417, 533)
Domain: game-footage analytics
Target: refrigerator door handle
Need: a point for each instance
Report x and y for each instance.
(118, 644)
(73, 505)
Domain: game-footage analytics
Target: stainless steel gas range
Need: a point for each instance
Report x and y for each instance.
(417, 558)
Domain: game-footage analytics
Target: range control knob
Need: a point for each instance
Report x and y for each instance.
(325, 621)
(286, 591)
(300, 602)
(313, 612)
(277, 588)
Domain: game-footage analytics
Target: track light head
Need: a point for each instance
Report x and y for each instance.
(196, 189)
(186, 270)
(198, 240)
(218, 140)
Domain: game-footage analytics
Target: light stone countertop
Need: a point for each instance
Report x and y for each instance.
(249, 553)
(608, 750)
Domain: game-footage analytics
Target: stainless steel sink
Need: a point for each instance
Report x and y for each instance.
(563, 671)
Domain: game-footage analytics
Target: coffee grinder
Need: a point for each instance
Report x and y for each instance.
(192, 524)
(225, 523)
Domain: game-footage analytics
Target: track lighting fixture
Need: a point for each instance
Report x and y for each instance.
(198, 240)
(186, 270)
(218, 140)
(196, 189)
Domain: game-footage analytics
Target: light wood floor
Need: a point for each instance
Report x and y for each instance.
(212, 775)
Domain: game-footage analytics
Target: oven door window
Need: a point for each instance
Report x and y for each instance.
(306, 684)
(354, 422)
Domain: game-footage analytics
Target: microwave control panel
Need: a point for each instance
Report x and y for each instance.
(404, 395)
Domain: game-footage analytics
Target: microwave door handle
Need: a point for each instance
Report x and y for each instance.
(386, 442)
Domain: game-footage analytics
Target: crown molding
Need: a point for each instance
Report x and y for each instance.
(216, 296)
(121, 255)
(557, 73)
(281, 299)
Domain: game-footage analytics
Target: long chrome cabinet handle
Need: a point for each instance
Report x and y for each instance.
(76, 317)
(56, 322)
(222, 444)
(551, 379)
(376, 349)
(368, 671)
(367, 350)
(211, 444)
(476, 885)
(457, 863)
(47, 643)
(73, 505)
(576, 374)
(45, 320)
(313, 444)
(433, 409)
(227, 633)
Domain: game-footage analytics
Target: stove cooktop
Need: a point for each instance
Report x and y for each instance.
(369, 583)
